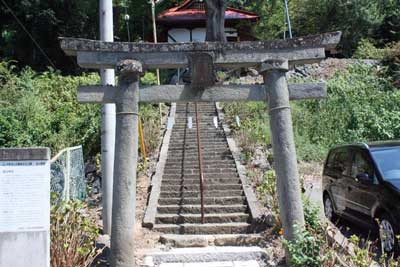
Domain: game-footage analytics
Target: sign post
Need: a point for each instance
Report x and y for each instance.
(25, 207)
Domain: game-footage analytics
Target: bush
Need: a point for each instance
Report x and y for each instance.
(41, 109)
(73, 235)
(367, 50)
(361, 106)
(254, 124)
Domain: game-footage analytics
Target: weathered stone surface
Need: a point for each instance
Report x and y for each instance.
(181, 241)
(208, 254)
(151, 211)
(211, 240)
(72, 45)
(216, 93)
(98, 54)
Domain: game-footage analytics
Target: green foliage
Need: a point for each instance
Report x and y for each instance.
(362, 106)
(254, 124)
(73, 235)
(305, 249)
(151, 126)
(149, 78)
(311, 215)
(268, 188)
(392, 61)
(309, 246)
(41, 109)
(367, 50)
(357, 19)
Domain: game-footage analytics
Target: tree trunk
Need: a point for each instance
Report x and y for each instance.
(215, 10)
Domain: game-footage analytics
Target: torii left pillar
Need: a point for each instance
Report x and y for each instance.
(125, 164)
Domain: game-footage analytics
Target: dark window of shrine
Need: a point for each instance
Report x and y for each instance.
(231, 39)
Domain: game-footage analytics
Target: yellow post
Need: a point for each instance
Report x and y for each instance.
(141, 138)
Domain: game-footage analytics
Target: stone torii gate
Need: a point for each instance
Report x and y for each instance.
(273, 58)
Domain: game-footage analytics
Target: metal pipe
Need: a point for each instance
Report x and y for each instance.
(200, 163)
(142, 145)
(288, 19)
(107, 120)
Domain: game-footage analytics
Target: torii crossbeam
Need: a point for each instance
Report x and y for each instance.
(273, 58)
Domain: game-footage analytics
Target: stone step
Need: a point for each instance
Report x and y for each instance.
(196, 176)
(206, 151)
(181, 241)
(193, 156)
(235, 180)
(196, 218)
(195, 165)
(207, 201)
(205, 162)
(177, 188)
(222, 256)
(193, 148)
(211, 193)
(193, 142)
(184, 129)
(183, 209)
(208, 228)
(222, 158)
(205, 170)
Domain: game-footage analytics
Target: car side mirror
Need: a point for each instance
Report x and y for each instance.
(364, 178)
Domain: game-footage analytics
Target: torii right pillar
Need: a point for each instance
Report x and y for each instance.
(284, 151)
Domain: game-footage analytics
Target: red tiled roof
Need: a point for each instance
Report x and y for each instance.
(186, 13)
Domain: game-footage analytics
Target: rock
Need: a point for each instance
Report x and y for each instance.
(260, 160)
(184, 241)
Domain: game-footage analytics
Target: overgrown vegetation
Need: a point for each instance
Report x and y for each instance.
(73, 235)
(363, 104)
(41, 109)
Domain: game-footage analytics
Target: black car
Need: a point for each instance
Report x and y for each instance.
(361, 182)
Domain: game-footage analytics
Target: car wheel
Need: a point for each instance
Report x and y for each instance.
(328, 209)
(388, 234)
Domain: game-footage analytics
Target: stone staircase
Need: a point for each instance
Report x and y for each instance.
(177, 194)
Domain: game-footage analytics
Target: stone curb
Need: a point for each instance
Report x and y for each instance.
(151, 211)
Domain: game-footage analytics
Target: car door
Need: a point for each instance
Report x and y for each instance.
(362, 194)
(336, 170)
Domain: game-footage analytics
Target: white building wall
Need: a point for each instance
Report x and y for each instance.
(198, 34)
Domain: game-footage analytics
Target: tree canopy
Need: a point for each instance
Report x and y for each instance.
(24, 22)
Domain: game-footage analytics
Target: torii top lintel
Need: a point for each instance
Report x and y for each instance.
(99, 54)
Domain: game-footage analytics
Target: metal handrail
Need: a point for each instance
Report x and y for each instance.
(53, 159)
(200, 164)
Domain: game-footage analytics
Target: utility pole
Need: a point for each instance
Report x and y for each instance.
(288, 19)
(107, 120)
(153, 15)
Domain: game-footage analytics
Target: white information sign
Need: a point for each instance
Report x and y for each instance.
(170, 123)
(24, 195)
(190, 123)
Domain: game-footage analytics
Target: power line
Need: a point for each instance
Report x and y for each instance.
(27, 32)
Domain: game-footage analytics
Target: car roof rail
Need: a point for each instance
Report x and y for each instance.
(363, 144)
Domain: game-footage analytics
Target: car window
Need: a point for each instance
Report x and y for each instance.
(338, 161)
(362, 164)
(388, 162)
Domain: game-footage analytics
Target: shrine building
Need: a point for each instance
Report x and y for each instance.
(187, 23)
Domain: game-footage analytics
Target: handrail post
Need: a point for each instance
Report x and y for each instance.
(142, 144)
(200, 163)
